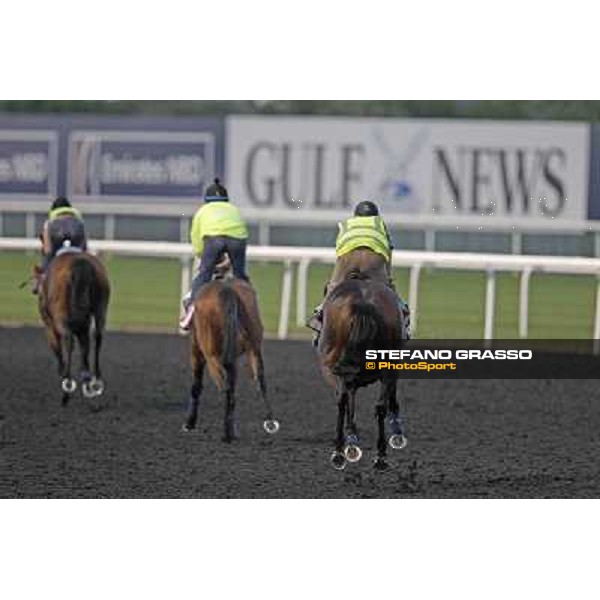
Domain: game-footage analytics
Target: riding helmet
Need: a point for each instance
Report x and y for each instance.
(366, 208)
(216, 192)
(60, 202)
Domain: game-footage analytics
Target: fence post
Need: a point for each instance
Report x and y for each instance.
(264, 233)
(516, 242)
(109, 227)
(524, 302)
(186, 275)
(302, 292)
(490, 303)
(596, 334)
(183, 229)
(286, 296)
(430, 240)
(413, 296)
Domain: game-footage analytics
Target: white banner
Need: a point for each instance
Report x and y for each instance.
(522, 171)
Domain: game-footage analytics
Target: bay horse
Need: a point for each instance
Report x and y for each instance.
(227, 324)
(361, 314)
(74, 292)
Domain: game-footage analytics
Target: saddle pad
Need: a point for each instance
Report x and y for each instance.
(68, 250)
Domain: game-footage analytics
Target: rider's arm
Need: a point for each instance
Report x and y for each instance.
(45, 238)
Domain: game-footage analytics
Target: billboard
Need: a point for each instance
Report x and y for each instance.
(102, 160)
(534, 172)
(144, 166)
(28, 164)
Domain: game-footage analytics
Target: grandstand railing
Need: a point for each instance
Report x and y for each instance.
(292, 256)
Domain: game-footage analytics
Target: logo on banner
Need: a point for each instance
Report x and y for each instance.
(134, 164)
(28, 163)
(397, 190)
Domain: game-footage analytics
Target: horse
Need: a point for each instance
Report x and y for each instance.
(74, 292)
(226, 325)
(361, 314)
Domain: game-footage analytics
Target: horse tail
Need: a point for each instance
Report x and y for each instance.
(80, 295)
(231, 317)
(366, 327)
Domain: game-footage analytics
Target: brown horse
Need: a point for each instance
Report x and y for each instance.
(361, 314)
(74, 292)
(226, 325)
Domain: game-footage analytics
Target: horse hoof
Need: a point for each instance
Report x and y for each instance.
(397, 441)
(186, 428)
(338, 461)
(68, 385)
(271, 426)
(88, 390)
(353, 453)
(97, 386)
(380, 464)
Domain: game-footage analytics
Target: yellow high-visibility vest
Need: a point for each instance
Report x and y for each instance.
(363, 232)
(217, 218)
(62, 211)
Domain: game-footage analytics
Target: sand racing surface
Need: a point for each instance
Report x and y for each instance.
(470, 438)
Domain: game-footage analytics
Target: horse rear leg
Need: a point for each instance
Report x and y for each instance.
(96, 386)
(270, 425)
(338, 458)
(387, 403)
(85, 377)
(231, 427)
(397, 440)
(68, 383)
(54, 341)
(352, 450)
(196, 389)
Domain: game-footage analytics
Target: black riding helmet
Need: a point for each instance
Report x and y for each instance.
(366, 208)
(60, 202)
(216, 192)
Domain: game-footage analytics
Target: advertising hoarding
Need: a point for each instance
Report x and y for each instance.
(521, 171)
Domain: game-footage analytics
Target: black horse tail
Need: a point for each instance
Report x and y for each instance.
(81, 295)
(230, 304)
(366, 328)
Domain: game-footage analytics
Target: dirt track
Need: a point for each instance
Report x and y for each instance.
(466, 438)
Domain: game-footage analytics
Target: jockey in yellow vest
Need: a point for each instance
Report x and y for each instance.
(64, 224)
(217, 229)
(363, 244)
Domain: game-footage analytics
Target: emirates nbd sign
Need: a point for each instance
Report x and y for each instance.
(144, 165)
(28, 164)
(498, 170)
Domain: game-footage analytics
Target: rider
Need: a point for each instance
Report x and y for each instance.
(363, 243)
(217, 229)
(64, 223)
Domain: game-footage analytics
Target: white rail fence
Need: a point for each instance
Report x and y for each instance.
(265, 221)
(291, 257)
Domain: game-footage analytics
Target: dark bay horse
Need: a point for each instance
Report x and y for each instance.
(359, 315)
(74, 293)
(226, 325)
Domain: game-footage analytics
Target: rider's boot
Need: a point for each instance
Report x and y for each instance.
(404, 308)
(316, 323)
(187, 314)
(38, 274)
